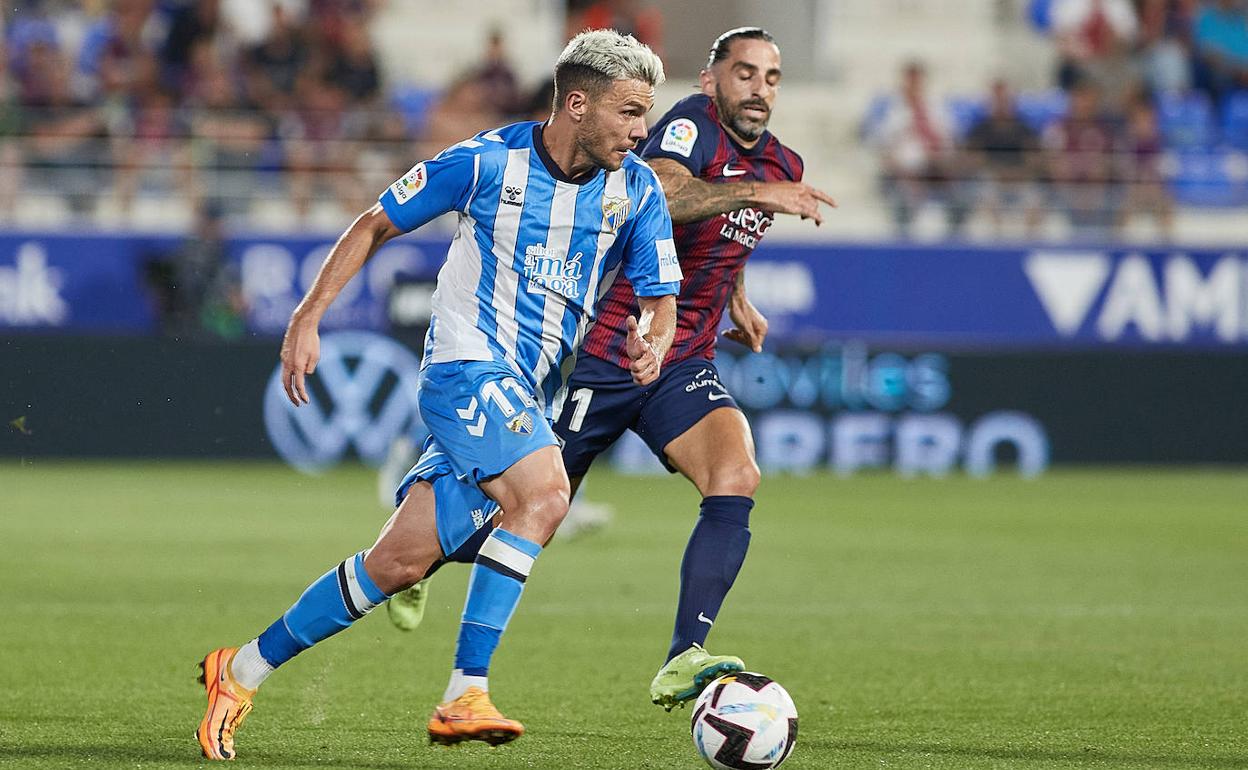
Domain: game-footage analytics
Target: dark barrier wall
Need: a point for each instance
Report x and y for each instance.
(847, 407)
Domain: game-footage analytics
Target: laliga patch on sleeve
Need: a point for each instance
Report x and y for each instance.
(680, 137)
(669, 265)
(410, 183)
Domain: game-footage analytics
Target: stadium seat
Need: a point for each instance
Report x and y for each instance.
(1235, 121)
(413, 103)
(964, 113)
(873, 118)
(1210, 178)
(1186, 120)
(1039, 109)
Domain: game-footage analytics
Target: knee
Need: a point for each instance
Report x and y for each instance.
(740, 479)
(543, 510)
(395, 570)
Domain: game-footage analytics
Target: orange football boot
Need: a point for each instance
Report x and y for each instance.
(472, 717)
(229, 703)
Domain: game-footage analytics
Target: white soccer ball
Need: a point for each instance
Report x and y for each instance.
(744, 721)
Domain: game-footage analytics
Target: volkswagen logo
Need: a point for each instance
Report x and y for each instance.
(362, 396)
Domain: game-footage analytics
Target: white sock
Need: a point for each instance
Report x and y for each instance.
(459, 684)
(249, 667)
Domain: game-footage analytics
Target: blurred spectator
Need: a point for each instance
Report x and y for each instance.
(1081, 163)
(67, 147)
(113, 49)
(498, 77)
(352, 63)
(1003, 153)
(918, 154)
(197, 291)
(1094, 39)
(190, 26)
(643, 21)
(541, 101)
(11, 129)
(1142, 158)
(1220, 36)
(463, 110)
(228, 133)
(273, 66)
(1163, 52)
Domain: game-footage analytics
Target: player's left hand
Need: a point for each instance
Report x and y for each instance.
(751, 325)
(645, 362)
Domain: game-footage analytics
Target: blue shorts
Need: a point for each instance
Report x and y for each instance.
(481, 419)
(603, 402)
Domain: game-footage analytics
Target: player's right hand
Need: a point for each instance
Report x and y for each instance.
(645, 362)
(794, 198)
(301, 349)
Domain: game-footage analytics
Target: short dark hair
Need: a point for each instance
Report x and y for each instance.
(719, 49)
(577, 77)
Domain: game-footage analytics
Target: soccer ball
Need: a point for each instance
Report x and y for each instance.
(744, 721)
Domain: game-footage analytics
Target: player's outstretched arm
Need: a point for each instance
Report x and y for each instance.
(690, 199)
(301, 346)
(650, 337)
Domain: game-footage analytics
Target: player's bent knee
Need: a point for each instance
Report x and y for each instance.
(396, 569)
(740, 479)
(544, 509)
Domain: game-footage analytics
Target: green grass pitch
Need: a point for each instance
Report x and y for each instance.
(1090, 619)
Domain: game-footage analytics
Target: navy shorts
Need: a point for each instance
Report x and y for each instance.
(603, 402)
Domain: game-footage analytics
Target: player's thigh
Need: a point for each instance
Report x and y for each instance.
(533, 493)
(717, 454)
(692, 424)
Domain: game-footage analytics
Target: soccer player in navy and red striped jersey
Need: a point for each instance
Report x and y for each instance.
(725, 177)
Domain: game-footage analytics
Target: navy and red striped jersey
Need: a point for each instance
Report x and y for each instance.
(711, 251)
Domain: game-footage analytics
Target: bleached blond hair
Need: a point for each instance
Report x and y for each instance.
(594, 59)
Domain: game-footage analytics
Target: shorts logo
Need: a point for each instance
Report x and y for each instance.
(513, 195)
(410, 183)
(680, 136)
(522, 423)
(474, 420)
(552, 270)
(615, 212)
(478, 518)
(708, 378)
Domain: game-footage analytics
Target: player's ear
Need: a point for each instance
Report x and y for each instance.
(576, 105)
(706, 82)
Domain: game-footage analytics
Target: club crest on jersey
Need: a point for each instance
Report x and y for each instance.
(410, 183)
(680, 137)
(552, 270)
(614, 212)
(522, 423)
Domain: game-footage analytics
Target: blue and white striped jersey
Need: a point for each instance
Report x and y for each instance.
(533, 251)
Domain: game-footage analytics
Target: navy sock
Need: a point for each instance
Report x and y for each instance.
(712, 560)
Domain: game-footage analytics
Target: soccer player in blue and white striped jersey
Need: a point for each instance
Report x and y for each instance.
(548, 215)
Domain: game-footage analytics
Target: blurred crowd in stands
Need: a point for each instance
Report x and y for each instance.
(1149, 101)
(217, 101)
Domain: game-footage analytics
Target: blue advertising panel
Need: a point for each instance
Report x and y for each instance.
(1003, 298)
(951, 297)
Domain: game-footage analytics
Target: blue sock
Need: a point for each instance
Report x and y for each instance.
(494, 589)
(712, 560)
(336, 600)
